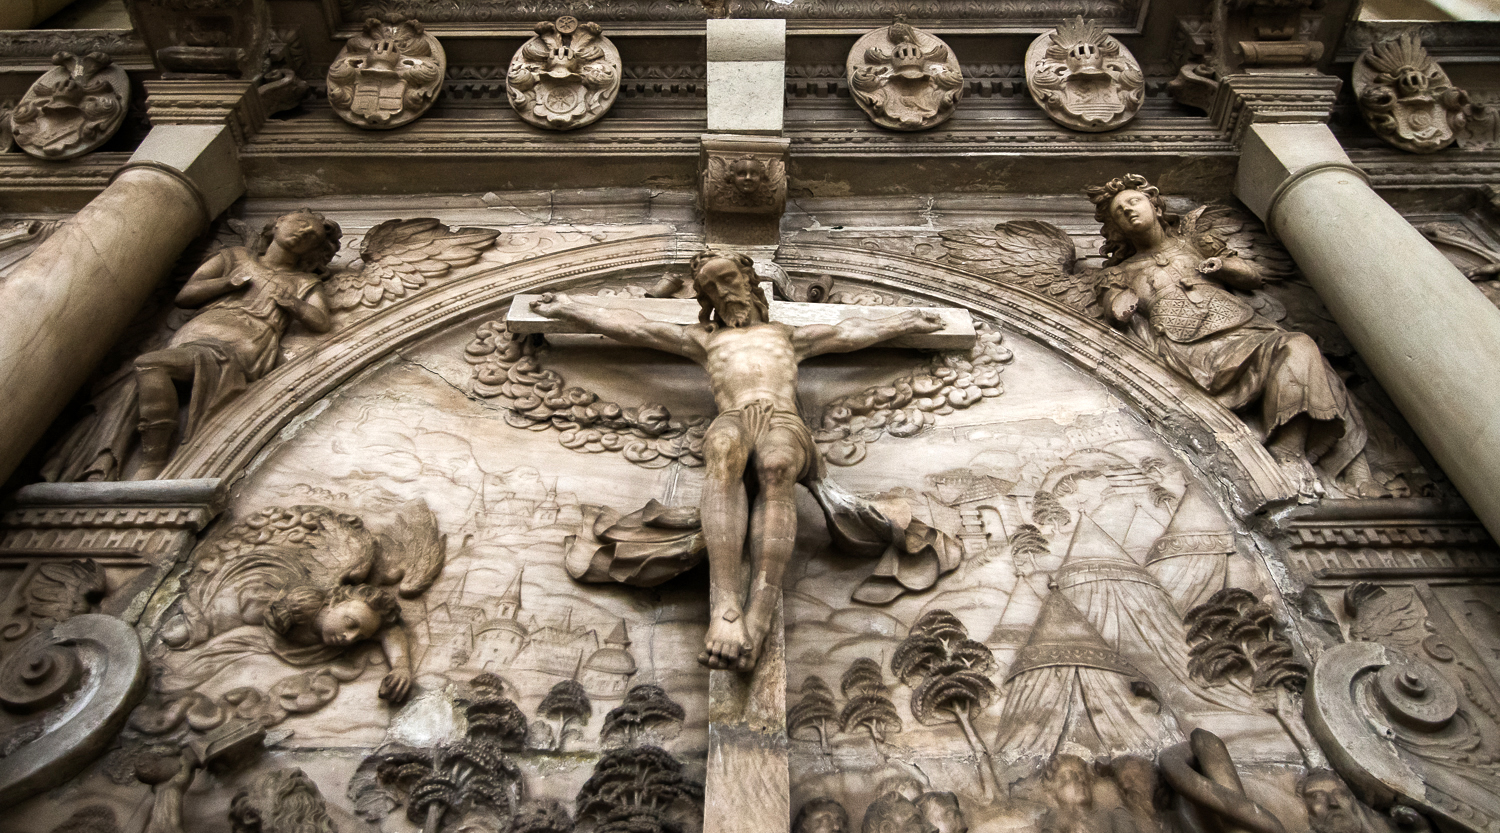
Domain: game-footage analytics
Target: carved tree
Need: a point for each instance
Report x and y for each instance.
(1029, 543)
(633, 791)
(647, 708)
(541, 816)
(948, 674)
(813, 711)
(869, 705)
(567, 703)
(1047, 511)
(466, 772)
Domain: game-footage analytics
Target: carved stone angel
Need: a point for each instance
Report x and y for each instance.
(253, 293)
(1164, 281)
(304, 584)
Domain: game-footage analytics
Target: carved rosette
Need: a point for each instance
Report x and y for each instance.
(743, 176)
(388, 75)
(73, 108)
(1406, 97)
(565, 77)
(1083, 78)
(904, 78)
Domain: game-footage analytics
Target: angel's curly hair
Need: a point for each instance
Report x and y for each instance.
(1117, 246)
(317, 260)
(747, 269)
(299, 605)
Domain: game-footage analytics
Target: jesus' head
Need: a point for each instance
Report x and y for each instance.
(727, 293)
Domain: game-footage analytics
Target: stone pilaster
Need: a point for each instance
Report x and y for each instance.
(1427, 333)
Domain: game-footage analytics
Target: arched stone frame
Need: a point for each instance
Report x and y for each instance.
(227, 444)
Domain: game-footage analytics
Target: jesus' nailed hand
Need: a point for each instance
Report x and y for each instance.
(752, 368)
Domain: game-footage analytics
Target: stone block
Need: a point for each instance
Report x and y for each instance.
(203, 154)
(746, 96)
(746, 40)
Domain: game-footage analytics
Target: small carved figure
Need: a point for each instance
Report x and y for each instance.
(73, 108)
(942, 812)
(305, 584)
(894, 813)
(255, 295)
(1068, 784)
(1406, 97)
(821, 815)
(387, 75)
(280, 801)
(745, 184)
(1083, 78)
(1164, 286)
(752, 367)
(565, 77)
(904, 78)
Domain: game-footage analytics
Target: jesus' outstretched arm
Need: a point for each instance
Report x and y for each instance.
(624, 326)
(859, 333)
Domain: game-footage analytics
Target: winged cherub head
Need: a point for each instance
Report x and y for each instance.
(307, 235)
(1128, 207)
(747, 175)
(306, 614)
(724, 283)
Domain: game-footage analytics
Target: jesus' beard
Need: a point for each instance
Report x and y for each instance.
(736, 314)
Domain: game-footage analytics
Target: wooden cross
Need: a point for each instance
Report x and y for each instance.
(748, 784)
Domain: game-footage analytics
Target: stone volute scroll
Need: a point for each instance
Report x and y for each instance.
(567, 76)
(73, 108)
(1406, 97)
(387, 75)
(904, 78)
(1083, 78)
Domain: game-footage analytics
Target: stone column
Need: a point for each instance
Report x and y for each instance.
(68, 303)
(1427, 333)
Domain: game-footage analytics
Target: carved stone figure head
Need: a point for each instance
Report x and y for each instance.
(311, 237)
(1140, 784)
(387, 75)
(821, 815)
(724, 284)
(1069, 781)
(941, 810)
(904, 78)
(894, 813)
(1128, 208)
(565, 77)
(73, 108)
(744, 175)
(1331, 807)
(1406, 97)
(280, 801)
(747, 174)
(1083, 78)
(341, 617)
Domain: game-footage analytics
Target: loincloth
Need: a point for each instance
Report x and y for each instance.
(755, 422)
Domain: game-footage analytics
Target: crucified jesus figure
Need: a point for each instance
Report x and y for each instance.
(752, 368)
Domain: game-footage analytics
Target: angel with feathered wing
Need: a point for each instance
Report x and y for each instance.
(401, 256)
(305, 584)
(1168, 281)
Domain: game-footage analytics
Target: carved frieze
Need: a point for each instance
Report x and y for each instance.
(387, 75)
(904, 78)
(565, 77)
(1083, 78)
(1406, 97)
(73, 108)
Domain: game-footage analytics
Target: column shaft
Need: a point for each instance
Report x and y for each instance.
(67, 304)
(1427, 333)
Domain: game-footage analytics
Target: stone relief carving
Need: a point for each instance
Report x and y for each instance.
(303, 586)
(251, 294)
(73, 108)
(1083, 78)
(904, 78)
(388, 75)
(565, 77)
(64, 693)
(741, 177)
(1168, 280)
(1406, 97)
(1397, 729)
(508, 369)
(757, 418)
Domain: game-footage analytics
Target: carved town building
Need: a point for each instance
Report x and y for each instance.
(745, 416)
